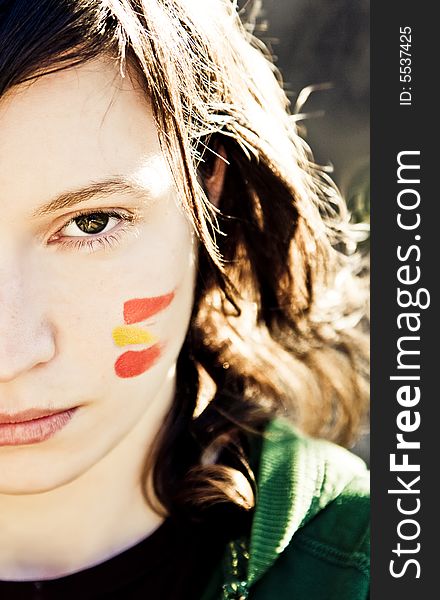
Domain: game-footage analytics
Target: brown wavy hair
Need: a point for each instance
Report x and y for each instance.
(278, 319)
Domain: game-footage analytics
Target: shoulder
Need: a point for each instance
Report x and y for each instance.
(310, 536)
(342, 527)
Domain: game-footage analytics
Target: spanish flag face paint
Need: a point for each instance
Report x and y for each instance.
(135, 362)
(126, 335)
(141, 309)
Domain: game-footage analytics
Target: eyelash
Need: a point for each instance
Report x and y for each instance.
(98, 241)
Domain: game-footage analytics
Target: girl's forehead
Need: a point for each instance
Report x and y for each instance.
(93, 96)
(73, 127)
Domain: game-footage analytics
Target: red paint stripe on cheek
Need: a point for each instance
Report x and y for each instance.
(134, 363)
(140, 309)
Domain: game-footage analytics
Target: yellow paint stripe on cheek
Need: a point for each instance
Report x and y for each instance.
(124, 336)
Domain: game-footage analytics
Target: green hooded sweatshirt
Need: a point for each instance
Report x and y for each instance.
(310, 530)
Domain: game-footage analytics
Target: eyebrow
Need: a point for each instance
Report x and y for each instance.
(106, 187)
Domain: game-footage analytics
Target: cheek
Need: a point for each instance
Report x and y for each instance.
(141, 309)
(131, 309)
(138, 313)
(137, 362)
(153, 327)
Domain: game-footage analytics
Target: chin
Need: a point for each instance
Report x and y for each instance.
(35, 477)
(24, 486)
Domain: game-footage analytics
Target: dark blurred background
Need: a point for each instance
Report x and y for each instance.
(325, 44)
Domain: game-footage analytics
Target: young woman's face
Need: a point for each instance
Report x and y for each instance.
(97, 265)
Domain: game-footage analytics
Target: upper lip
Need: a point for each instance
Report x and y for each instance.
(28, 415)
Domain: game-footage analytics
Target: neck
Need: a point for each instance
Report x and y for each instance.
(90, 519)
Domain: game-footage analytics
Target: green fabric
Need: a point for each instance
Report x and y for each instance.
(310, 531)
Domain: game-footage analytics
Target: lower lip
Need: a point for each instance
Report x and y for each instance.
(32, 432)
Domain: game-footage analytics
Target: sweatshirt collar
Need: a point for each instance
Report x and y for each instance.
(298, 476)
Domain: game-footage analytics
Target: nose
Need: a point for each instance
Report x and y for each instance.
(26, 337)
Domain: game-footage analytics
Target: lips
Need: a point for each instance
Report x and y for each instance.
(28, 415)
(32, 426)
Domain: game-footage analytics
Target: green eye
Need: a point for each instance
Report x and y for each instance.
(93, 223)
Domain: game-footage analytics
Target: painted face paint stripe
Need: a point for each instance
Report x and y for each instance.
(131, 364)
(126, 335)
(140, 309)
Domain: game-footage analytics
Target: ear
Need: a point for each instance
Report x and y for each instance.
(214, 182)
